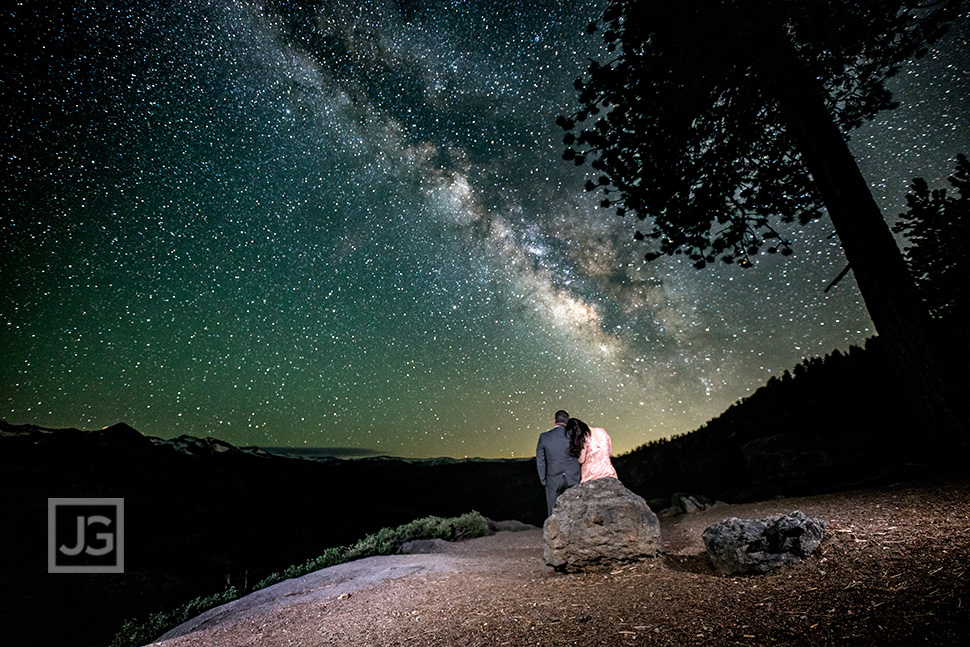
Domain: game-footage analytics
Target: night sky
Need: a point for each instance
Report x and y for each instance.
(352, 227)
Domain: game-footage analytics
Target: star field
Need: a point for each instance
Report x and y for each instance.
(351, 227)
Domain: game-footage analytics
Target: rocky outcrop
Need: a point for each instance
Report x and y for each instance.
(753, 546)
(509, 526)
(599, 523)
(424, 546)
(681, 503)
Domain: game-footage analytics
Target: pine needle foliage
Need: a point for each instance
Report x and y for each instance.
(937, 227)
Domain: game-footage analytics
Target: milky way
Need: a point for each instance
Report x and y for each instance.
(351, 226)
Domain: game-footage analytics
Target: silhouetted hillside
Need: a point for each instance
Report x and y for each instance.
(832, 423)
(200, 514)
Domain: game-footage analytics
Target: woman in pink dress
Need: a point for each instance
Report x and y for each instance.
(592, 448)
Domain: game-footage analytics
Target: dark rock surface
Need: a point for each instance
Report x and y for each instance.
(754, 546)
(511, 525)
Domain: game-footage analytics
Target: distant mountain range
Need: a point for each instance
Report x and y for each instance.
(201, 513)
(193, 445)
(329, 454)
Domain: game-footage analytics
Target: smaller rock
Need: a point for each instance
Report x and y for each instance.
(511, 525)
(753, 546)
(690, 503)
(424, 546)
(685, 504)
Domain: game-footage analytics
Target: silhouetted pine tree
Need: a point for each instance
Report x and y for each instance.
(937, 226)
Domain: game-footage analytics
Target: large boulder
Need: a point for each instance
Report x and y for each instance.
(753, 546)
(599, 523)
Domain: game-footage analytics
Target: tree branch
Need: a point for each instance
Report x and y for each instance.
(838, 278)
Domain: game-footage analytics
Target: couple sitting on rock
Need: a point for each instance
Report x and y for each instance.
(572, 453)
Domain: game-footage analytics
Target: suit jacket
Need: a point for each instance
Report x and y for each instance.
(553, 461)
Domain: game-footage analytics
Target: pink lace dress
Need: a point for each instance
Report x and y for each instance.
(595, 457)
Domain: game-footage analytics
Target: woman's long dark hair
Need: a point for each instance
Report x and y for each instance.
(578, 432)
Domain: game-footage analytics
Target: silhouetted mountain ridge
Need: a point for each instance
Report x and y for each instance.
(833, 422)
(201, 514)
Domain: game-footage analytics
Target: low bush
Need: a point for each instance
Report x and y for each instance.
(386, 541)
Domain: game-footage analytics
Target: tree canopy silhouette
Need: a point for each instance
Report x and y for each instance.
(937, 226)
(722, 121)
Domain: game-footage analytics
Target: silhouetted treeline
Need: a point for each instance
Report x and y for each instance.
(207, 516)
(831, 423)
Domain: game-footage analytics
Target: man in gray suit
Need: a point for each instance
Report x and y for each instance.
(557, 469)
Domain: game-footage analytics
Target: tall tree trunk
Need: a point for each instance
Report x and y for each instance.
(890, 295)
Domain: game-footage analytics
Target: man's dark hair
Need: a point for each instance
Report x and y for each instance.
(562, 416)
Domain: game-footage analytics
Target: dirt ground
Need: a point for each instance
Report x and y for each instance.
(892, 570)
